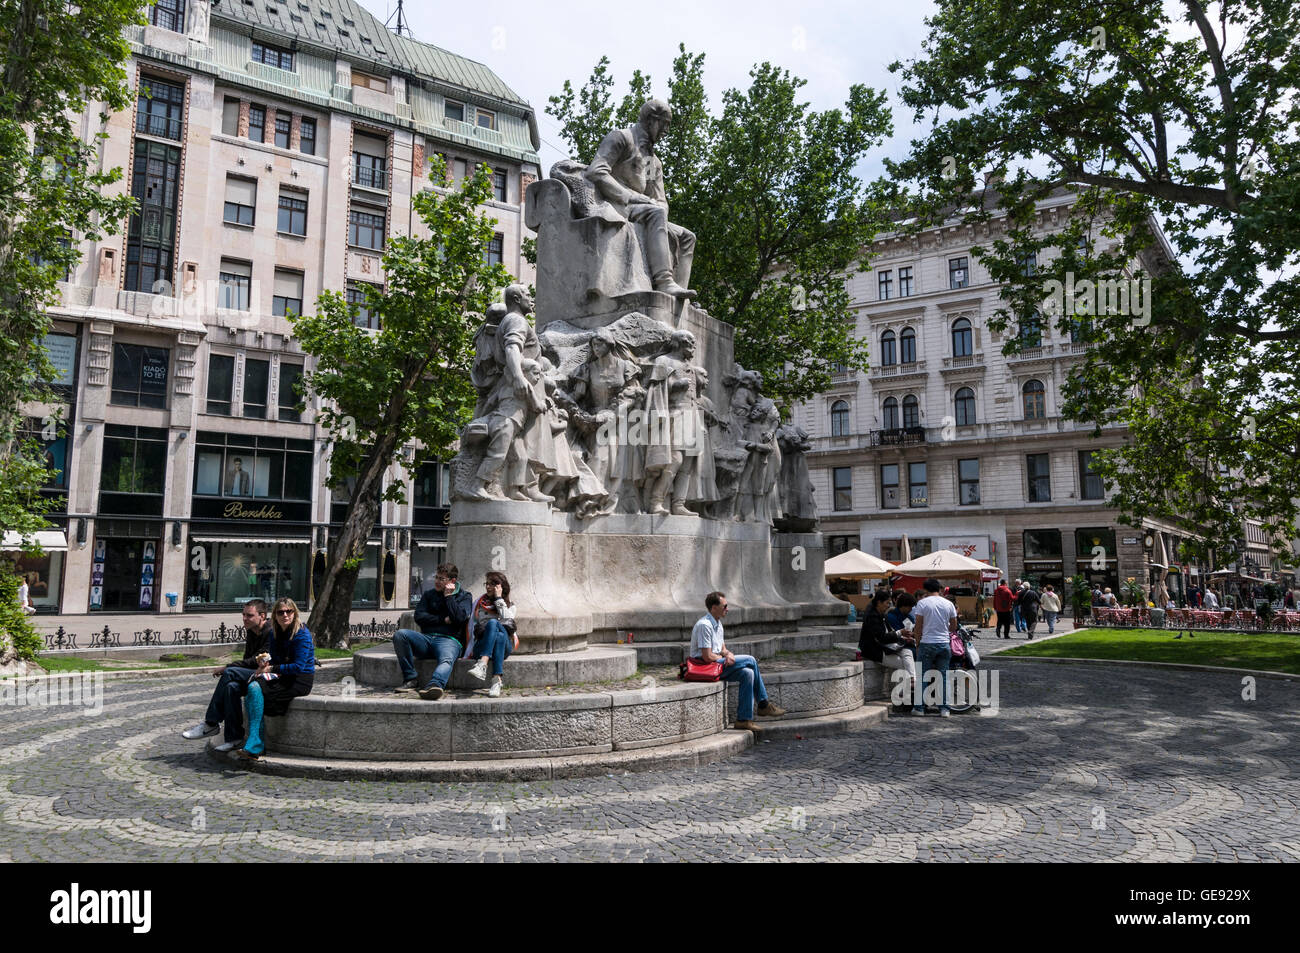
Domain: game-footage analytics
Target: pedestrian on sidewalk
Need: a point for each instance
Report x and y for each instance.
(1051, 603)
(1028, 602)
(1004, 601)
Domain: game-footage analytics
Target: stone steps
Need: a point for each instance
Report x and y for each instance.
(761, 646)
(377, 666)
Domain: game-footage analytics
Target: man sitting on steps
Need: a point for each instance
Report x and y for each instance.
(442, 615)
(227, 704)
(707, 645)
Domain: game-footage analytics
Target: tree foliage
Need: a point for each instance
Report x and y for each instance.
(56, 59)
(1185, 114)
(406, 383)
(768, 188)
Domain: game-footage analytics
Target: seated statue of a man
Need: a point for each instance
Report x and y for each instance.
(630, 176)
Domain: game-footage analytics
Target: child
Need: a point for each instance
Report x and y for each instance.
(494, 630)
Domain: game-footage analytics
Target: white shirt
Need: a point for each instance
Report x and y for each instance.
(707, 634)
(22, 593)
(937, 613)
(1211, 601)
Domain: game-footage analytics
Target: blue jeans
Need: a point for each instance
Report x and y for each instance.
(410, 645)
(1020, 622)
(227, 703)
(495, 642)
(1051, 621)
(745, 673)
(934, 656)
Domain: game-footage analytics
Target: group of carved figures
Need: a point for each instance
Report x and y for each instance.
(618, 434)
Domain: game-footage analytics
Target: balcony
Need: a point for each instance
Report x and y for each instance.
(964, 365)
(368, 177)
(912, 369)
(898, 437)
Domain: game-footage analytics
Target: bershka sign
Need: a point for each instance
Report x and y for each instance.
(77, 906)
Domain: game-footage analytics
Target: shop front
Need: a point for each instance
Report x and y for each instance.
(1098, 557)
(1044, 563)
(43, 573)
(125, 565)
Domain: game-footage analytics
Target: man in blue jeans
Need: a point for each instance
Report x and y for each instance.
(707, 645)
(936, 620)
(442, 616)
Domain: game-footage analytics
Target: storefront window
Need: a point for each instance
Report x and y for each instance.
(1042, 544)
(237, 466)
(425, 558)
(133, 470)
(366, 593)
(231, 573)
(44, 574)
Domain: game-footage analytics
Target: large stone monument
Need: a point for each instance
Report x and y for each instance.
(620, 465)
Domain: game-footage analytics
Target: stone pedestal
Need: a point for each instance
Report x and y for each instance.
(575, 581)
(798, 566)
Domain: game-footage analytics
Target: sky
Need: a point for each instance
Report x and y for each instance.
(534, 49)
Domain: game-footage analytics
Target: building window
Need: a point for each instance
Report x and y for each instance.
(429, 485)
(911, 411)
(842, 478)
(1031, 330)
(366, 229)
(905, 285)
(152, 232)
(241, 200)
(1029, 264)
(1091, 485)
(888, 351)
(257, 377)
(160, 108)
(459, 170)
(1038, 466)
(454, 110)
(1035, 400)
(840, 418)
(273, 56)
(918, 488)
(168, 14)
(964, 405)
(289, 398)
(842, 544)
(139, 376)
(499, 185)
(221, 384)
(494, 253)
(230, 116)
(259, 467)
(236, 285)
(968, 482)
(288, 293)
(907, 346)
(307, 136)
(486, 119)
(885, 282)
(366, 81)
(256, 123)
(363, 317)
(369, 161)
(133, 470)
(891, 413)
(962, 339)
(889, 486)
(958, 273)
(283, 126)
(292, 219)
(1042, 544)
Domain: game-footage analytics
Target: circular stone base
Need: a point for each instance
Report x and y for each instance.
(377, 667)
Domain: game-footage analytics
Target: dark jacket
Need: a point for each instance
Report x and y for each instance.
(255, 643)
(876, 635)
(1028, 602)
(293, 655)
(435, 608)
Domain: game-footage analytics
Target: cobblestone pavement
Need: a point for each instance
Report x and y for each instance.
(1082, 762)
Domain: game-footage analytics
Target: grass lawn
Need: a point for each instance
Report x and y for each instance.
(55, 664)
(1265, 651)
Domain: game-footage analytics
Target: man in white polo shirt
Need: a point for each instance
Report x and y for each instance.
(936, 620)
(707, 646)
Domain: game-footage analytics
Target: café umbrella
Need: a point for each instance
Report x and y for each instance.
(944, 563)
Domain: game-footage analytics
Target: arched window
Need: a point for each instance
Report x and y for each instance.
(891, 413)
(964, 404)
(911, 411)
(1035, 398)
(961, 338)
(840, 418)
(888, 355)
(907, 346)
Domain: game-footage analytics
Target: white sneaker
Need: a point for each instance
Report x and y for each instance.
(479, 670)
(227, 746)
(201, 730)
(495, 690)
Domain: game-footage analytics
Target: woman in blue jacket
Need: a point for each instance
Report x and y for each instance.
(287, 675)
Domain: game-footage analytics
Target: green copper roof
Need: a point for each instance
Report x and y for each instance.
(348, 27)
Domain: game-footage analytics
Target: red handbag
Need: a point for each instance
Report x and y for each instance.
(693, 670)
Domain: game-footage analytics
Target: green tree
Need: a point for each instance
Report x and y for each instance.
(408, 382)
(54, 59)
(768, 187)
(1183, 114)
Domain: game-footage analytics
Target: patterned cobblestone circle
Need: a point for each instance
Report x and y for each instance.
(1080, 763)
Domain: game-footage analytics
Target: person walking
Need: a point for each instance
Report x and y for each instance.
(1051, 603)
(1004, 601)
(936, 620)
(1028, 602)
(1016, 586)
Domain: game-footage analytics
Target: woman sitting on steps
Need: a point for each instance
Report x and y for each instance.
(287, 675)
(494, 630)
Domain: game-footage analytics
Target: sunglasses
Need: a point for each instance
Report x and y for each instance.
(284, 612)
